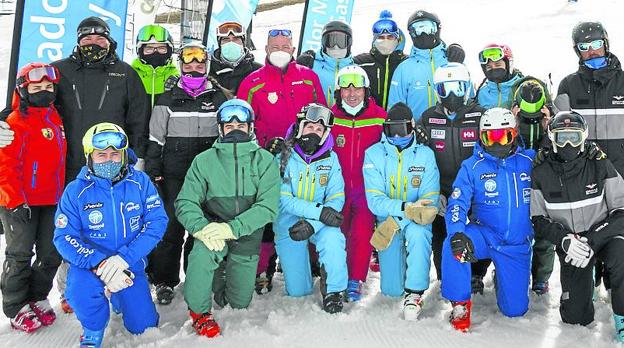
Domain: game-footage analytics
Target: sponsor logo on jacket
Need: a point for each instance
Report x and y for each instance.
(525, 177)
(591, 189)
(488, 176)
(323, 167)
(134, 223)
(440, 145)
(92, 206)
(131, 206)
(437, 120)
(617, 100)
(438, 134)
(116, 74)
(526, 195)
(416, 169)
(469, 134)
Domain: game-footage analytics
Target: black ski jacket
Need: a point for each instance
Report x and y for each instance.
(230, 76)
(379, 69)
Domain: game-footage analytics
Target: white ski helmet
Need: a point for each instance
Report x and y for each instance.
(497, 118)
(352, 70)
(451, 72)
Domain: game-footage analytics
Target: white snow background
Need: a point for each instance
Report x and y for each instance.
(539, 33)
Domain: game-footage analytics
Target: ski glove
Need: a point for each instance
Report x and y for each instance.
(21, 213)
(6, 134)
(171, 82)
(275, 145)
(421, 135)
(443, 203)
(110, 268)
(420, 212)
(301, 230)
(212, 244)
(578, 252)
(455, 53)
(385, 231)
(219, 231)
(462, 248)
(330, 217)
(120, 281)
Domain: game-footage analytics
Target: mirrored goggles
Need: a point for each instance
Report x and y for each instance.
(444, 89)
(228, 28)
(98, 29)
(278, 32)
(39, 74)
(492, 53)
(594, 45)
(571, 136)
(346, 80)
(504, 136)
(318, 113)
(425, 26)
(104, 140)
(385, 26)
(336, 38)
(235, 113)
(397, 129)
(190, 54)
(146, 33)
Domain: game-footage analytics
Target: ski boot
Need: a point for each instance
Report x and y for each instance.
(374, 262)
(332, 302)
(26, 320)
(204, 324)
(460, 316)
(264, 283)
(44, 312)
(619, 327)
(412, 306)
(476, 285)
(164, 294)
(540, 288)
(354, 290)
(91, 338)
(65, 306)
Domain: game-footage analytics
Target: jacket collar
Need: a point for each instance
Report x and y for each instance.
(86, 175)
(273, 70)
(438, 52)
(601, 75)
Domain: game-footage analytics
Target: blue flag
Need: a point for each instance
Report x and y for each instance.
(318, 13)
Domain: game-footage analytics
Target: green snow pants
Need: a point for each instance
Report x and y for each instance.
(543, 260)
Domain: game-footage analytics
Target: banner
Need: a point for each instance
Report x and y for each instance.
(317, 13)
(223, 11)
(48, 30)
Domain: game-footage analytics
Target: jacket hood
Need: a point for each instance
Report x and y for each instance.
(392, 150)
(601, 75)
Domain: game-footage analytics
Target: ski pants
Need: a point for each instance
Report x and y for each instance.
(164, 260)
(85, 293)
(358, 227)
(295, 261)
(405, 264)
(543, 260)
(513, 268)
(577, 284)
(23, 280)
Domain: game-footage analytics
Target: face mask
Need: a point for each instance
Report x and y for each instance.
(155, 59)
(352, 110)
(497, 75)
(452, 103)
(596, 63)
(41, 99)
(236, 136)
(425, 41)
(336, 52)
(568, 153)
(401, 142)
(232, 52)
(498, 150)
(107, 170)
(193, 83)
(93, 53)
(386, 47)
(309, 143)
(280, 59)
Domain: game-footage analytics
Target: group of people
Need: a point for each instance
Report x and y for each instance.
(329, 163)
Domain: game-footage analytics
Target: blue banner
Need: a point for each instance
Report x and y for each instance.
(319, 13)
(49, 26)
(223, 11)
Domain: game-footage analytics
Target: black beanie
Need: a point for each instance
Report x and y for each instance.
(400, 112)
(93, 22)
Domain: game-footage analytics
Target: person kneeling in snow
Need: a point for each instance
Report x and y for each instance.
(311, 198)
(495, 184)
(229, 193)
(402, 189)
(108, 220)
(577, 203)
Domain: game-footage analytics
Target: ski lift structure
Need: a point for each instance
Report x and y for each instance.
(7, 7)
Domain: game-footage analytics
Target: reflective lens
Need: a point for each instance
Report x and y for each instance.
(190, 54)
(92, 30)
(104, 140)
(423, 27)
(501, 136)
(336, 38)
(146, 33)
(397, 129)
(228, 28)
(235, 113)
(317, 113)
(594, 45)
(346, 80)
(385, 27)
(573, 137)
(444, 89)
(278, 32)
(38, 74)
(492, 53)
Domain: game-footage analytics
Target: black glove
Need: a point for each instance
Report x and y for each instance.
(275, 145)
(171, 82)
(462, 248)
(21, 213)
(302, 230)
(421, 135)
(540, 156)
(330, 217)
(455, 53)
(594, 151)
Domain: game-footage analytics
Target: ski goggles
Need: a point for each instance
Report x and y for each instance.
(385, 26)
(230, 28)
(504, 136)
(318, 113)
(444, 89)
(562, 137)
(346, 80)
(594, 45)
(189, 54)
(36, 75)
(236, 113)
(397, 128)
(491, 53)
(425, 26)
(278, 32)
(104, 140)
(148, 32)
(335, 38)
(97, 29)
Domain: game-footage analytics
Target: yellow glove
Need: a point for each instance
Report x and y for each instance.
(385, 231)
(420, 212)
(219, 230)
(212, 244)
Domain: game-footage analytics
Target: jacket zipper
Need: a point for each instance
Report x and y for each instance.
(385, 86)
(114, 217)
(60, 145)
(508, 200)
(123, 218)
(34, 176)
(516, 189)
(313, 186)
(399, 176)
(500, 95)
(153, 84)
(77, 94)
(378, 82)
(243, 181)
(429, 91)
(392, 186)
(307, 179)
(104, 92)
(236, 180)
(299, 187)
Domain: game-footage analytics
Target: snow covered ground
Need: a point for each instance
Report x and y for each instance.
(539, 33)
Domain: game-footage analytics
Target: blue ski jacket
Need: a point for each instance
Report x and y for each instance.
(492, 94)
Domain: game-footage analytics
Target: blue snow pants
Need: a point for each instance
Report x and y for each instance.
(295, 261)
(85, 293)
(513, 270)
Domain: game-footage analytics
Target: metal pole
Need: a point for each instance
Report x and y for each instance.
(303, 24)
(207, 25)
(15, 47)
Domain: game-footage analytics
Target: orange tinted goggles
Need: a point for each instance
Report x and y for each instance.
(501, 136)
(190, 54)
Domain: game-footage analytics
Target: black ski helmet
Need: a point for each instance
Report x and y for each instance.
(341, 27)
(587, 32)
(420, 15)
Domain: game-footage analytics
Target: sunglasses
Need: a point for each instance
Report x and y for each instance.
(35, 75)
(562, 137)
(104, 140)
(346, 80)
(278, 32)
(336, 38)
(235, 113)
(594, 45)
(423, 27)
(504, 136)
(190, 54)
(444, 89)
(492, 53)
(228, 28)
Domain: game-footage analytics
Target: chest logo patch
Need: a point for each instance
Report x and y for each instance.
(416, 179)
(272, 97)
(490, 185)
(340, 140)
(323, 179)
(47, 133)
